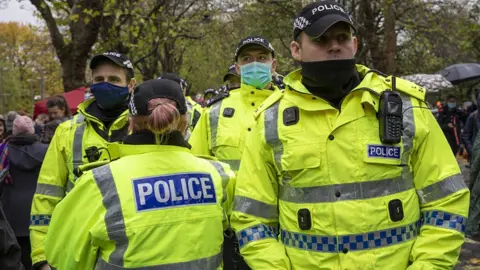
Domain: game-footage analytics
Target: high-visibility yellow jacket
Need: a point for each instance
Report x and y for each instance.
(223, 126)
(66, 153)
(195, 110)
(158, 206)
(317, 189)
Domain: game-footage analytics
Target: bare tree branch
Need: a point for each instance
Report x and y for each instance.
(56, 36)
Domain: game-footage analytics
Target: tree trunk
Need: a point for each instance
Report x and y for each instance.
(84, 31)
(390, 38)
(73, 73)
(168, 65)
(369, 32)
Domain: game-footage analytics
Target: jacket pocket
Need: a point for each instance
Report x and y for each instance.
(227, 139)
(299, 157)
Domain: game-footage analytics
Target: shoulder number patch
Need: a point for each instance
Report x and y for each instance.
(383, 151)
(165, 191)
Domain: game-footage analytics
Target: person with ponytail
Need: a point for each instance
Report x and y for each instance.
(158, 206)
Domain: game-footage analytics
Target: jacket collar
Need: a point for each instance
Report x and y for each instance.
(246, 91)
(146, 142)
(149, 138)
(369, 90)
(82, 108)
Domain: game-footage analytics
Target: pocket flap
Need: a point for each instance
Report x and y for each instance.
(297, 157)
(227, 139)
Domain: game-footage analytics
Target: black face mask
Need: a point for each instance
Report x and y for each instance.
(331, 79)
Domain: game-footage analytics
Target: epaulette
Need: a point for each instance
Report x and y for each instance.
(377, 72)
(272, 99)
(401, 85)
(223, 89)
(406, 87)
(90, 166)
(217, 98)
(278, 81)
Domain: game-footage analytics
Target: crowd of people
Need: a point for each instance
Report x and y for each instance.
(321, 169)
(23, 145)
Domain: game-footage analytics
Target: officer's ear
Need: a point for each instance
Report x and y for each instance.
(274, 65)
(296, 50)
(355, 45)
(131, 85)
(237, 68)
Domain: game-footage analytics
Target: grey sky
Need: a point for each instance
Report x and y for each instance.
(19, 12)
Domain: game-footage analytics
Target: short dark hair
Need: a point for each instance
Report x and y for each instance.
(60, 102)
(451, 96)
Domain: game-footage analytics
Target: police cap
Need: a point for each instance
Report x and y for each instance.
(316, 18)
(151, 89)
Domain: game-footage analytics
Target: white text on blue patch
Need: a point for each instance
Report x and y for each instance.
(165, 191)
(383, 151)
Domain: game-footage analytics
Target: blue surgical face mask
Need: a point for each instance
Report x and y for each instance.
(452, 105)
(256, 74)
(109, 96)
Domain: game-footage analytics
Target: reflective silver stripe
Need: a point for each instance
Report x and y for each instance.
(353, 242)
(224, 176)
(77, 143)
(210, 263)
(271, 134)
(407, 136)
(50, 190)
(114, 221)
(214, 116)
(408, 127)
(255, 208)
(69, 185)
(234, 163)
(346, 192)
(444, 220)
(441, 189)
(221, 171)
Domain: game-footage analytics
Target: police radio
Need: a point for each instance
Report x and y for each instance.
(390, 116)
(92, 154)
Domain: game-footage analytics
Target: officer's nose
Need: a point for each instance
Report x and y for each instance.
(334, 47)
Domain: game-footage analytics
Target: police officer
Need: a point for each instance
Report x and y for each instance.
(100, 120)
(224, 125)
(174, 217)
(347, 169)
(194, 109)
(231, 79)
(222, 129)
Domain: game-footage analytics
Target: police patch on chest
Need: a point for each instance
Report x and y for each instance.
(383, 151)
(165, 191)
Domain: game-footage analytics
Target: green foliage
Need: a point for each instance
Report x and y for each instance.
(28, 65)
(197, 38)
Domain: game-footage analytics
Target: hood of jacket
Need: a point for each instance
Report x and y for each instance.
(25, 152)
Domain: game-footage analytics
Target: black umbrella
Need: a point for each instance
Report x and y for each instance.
(459, 73)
